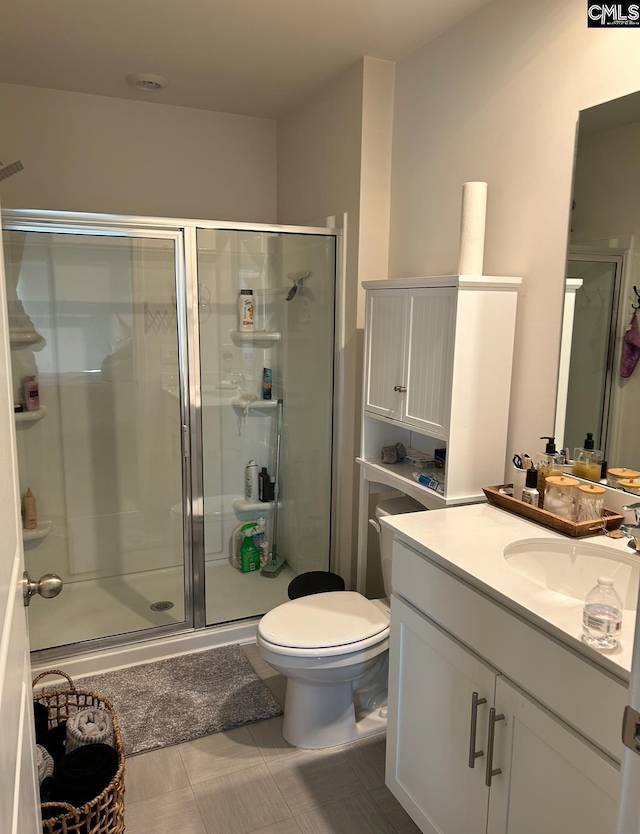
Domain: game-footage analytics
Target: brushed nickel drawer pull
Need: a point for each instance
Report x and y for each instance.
(473, 753)
(491, 771)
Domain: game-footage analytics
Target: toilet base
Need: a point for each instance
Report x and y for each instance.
(323, 715)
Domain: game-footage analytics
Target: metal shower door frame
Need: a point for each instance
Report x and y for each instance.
(184, 233)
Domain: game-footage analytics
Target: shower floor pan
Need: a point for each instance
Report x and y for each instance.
(95, 608)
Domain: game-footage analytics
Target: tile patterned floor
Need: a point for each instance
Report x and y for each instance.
(250, 781)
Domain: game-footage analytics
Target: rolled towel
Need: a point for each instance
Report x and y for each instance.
(44, 763)
(89, 726)
(83, 774)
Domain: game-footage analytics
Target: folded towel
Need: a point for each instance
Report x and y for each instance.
(44, 763)
(88, 726)
(53, 740)
(41, 719)
(83, 774)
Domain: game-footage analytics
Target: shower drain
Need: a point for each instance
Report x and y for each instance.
(163, 605)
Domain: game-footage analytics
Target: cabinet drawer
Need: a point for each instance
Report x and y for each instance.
(582, 694)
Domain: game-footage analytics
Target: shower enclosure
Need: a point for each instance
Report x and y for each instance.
(150, 407)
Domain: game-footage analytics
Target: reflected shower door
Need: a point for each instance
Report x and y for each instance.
(592, 351)
(292, 277)
(93, 316)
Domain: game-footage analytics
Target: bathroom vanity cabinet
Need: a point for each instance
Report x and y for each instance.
(438, 360)
(493, 725)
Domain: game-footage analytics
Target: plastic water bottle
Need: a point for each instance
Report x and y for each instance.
(602, 616)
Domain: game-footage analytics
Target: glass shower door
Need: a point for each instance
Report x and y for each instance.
(292, 279)
(93, 317)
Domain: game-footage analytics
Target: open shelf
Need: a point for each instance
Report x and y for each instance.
(25, 338)
(258, 405)
(30, 416)
(41, 532)
(267, 338)
(242, 506)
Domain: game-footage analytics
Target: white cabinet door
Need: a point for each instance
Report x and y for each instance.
(552, 780)
(384, 353)
(431, 684)
(431, 335)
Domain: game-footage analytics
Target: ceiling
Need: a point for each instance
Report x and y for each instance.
(252, 57)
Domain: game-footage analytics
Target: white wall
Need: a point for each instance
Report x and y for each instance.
(496, 98)
(334, 157)
(92, 153)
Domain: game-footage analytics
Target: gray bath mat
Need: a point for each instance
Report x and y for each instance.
(182, 698)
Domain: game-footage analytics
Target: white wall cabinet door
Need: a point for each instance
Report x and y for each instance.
(431, 684)
(384, 352)
(552, 780)
(431, 322)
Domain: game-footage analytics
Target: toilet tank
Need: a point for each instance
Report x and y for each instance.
(392, 506)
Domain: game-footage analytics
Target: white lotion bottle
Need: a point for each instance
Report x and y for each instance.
(251, 482)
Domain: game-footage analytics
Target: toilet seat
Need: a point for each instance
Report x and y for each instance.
(329, 624)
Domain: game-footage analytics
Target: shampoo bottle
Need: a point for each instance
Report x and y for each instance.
(547, 463)
(251, 482)
(30, 518)
(246, 309)
(587, 461)
(31, 396)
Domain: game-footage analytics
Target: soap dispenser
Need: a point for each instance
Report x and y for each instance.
(547, 463)
(587, 461)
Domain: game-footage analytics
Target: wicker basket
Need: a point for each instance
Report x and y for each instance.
(105, 813)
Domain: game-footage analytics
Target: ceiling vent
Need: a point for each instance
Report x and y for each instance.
(147, 81)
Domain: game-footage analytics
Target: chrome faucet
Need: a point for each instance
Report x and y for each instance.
(632, 530)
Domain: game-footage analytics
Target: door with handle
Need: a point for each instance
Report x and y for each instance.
(543, 775)
(439, 700)
(385, 383)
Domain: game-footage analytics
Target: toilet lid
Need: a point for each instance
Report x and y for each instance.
(322, 620)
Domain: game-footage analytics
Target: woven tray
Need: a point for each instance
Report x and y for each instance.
(609, 521)
(105, 813)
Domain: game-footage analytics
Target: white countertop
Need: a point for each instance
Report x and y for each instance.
(470, 542)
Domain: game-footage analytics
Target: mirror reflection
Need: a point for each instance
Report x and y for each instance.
(599, 378)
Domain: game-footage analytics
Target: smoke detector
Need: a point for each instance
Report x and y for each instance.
(147, 81)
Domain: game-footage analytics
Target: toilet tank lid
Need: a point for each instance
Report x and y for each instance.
(319, 621)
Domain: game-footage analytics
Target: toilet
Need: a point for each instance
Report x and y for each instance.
(333, 649)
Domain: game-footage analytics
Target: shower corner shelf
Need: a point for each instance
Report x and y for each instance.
(242, 506)
(259, 405)
(30, 416)
(25, 338)
(254, 337)
(41, 532)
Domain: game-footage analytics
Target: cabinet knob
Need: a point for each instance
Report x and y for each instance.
(400, 388)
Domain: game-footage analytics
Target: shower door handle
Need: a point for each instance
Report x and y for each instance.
(48, 586)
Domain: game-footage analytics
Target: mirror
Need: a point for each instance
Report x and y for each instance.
(603, 268)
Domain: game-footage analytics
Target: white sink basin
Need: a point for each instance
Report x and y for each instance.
(572, 568)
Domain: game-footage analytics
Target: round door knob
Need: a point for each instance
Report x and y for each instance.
(48, 586)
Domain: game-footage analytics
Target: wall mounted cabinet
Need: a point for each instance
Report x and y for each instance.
(437, 375)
